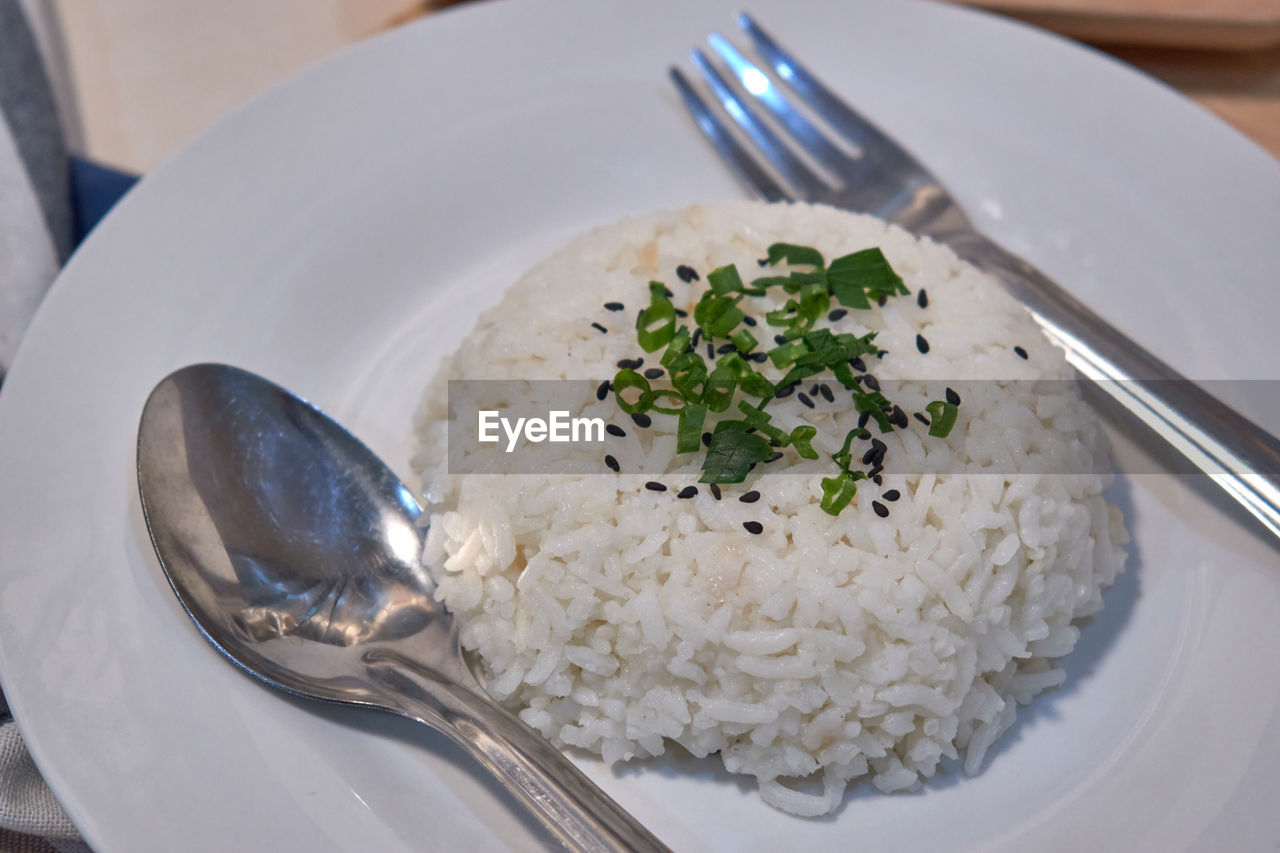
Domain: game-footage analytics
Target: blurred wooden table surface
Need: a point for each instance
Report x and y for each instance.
(1223, 54)
(146, 75)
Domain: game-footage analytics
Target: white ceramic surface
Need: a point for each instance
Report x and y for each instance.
(339, 235)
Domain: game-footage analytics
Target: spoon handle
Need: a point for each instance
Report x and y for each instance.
(570, 805)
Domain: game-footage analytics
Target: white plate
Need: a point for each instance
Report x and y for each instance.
(339, 234)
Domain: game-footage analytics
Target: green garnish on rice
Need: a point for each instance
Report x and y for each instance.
(804, 349)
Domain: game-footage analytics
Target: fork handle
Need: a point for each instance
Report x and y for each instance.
(1240, 457)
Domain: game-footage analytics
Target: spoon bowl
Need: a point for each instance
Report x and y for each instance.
(297, 553)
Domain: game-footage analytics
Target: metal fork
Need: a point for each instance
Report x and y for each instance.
(883, 179)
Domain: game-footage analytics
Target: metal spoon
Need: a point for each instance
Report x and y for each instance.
(296, 551)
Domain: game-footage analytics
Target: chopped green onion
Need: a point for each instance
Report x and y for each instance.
(875, 405)
(733, 364)
(718, 315)
(718, 391)
(656, 325)
(667, 410)
(942, 417)
(786, 354)
(630, 379)
(859, 277)
(757, 386)
(758, 419)
(688, 373)
(794, 254)
(743, 340)
(844, 374)
(814, 302)
(676, 347)
(843, 457)
(784, 316)
(725, 280)
(800, 438)
(689, 428)
(838, 491)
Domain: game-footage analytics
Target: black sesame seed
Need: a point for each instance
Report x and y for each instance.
(749, 320)
(613, 306)
(862, 433)
(614, 429)
(899, 418)
(697, 336)
(804, 399)
(681, 313)
(785, 391)
(879, 445)
(921, 418)
(655, 486)
(630, 363)
(687, 273)
(706, 439)
(653, 373)
(813, 391)
(862, 420)
(881, 509)
(612, 463)
(882, 353)
(858, 364)
(874, 474)
(642, 420)
(779, 339)
(666, 291)
(922, 344)
(826, 393)
(868, 456)
(871, 382)
(763, 262)
(724, 348)
(601, 329)
(877, 479)
(953, 398)
(603, 390)
(687, 492)
(753, 527)
(711, 350)
(881, 300)
(758, 357)
(750, 497)
(1022, 354)
(922, 299)
(774, 456)
(892, 495)
(837, 314)
(715, 491)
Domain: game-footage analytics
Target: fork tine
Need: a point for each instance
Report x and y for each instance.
(874, 144)
(757, 83)
(784, 160)
(728, 147)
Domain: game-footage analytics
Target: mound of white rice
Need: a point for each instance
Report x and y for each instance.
(616, 618)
